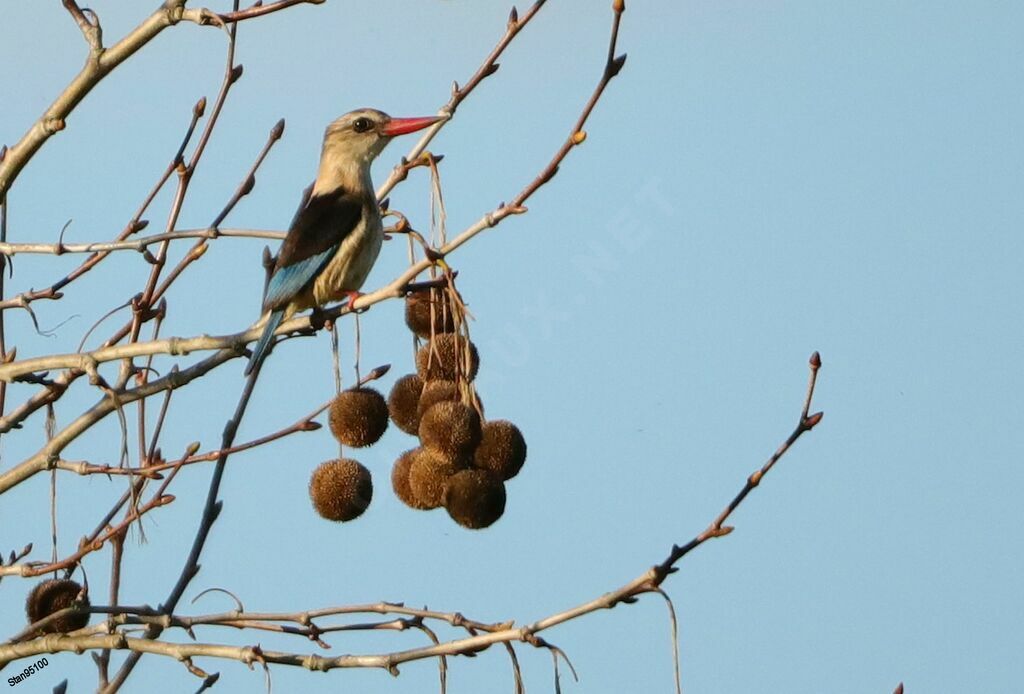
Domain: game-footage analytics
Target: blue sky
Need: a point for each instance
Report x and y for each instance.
(763, 180)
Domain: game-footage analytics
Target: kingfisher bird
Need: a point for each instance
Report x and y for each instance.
(336, 234)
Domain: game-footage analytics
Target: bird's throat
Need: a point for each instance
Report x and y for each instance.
(339, 171)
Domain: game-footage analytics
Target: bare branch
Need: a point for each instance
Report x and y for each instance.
(49, 454)
(136, 244)
(135, 225)
(507, 633)
(95, 69)
(113, 634)
(486, 69)
(159, 498)
(29, 569)
(4, 261)
(259, 10)
(89, 23)
(153, 469)
(396, 288)
(84, 361)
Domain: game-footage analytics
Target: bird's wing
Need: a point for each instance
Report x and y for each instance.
(320, 225)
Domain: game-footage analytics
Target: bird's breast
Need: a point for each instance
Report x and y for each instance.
(352, 262)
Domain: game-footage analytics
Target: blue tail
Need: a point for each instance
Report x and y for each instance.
(263, 346)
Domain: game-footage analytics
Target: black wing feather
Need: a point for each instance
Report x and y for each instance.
(321, 222)
(320, 225)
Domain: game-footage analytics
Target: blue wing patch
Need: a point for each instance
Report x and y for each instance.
(288, 281)
(266, 338)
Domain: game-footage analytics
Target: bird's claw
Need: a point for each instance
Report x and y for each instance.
(352, 297)
(317, 319)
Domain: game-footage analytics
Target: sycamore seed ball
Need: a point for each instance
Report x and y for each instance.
(418, 308)
(474, 498)
(404, 401)
(359, 417)
(52, 596)
(444, 358)
(435, 392)
(502, 449)
(400, 480)
(439, 391)
(428, 474)
(451, 429)
(340, 489)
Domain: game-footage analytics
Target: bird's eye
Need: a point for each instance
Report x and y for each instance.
(361, 125)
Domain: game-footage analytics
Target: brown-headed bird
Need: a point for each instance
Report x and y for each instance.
(336, 234)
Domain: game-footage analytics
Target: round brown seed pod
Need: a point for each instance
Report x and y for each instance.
(403, 402)
(502, 449)
(440, 391)
(435, 392)
(474, 498)
(51, 596)
(444, 358)
(358, 417)
(451, 429)
(428, 474)
(418, 308)
(400, 480)
(340, 489)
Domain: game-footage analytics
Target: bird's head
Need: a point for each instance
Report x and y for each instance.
(354, 140)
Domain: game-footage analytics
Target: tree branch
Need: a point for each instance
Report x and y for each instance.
(397, 288)
(506, 633)
(49, 454)
(138, 244)
(486, 69)
(88, 23)
(96, 68)
(260, 10)
(135, 225)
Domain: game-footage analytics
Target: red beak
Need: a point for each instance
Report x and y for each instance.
(402, 126)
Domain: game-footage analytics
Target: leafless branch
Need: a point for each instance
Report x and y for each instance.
(487, 68)
(49, 454)
(135, 225)
(258, 10)
(397, 288)
(89, 23)
(138, 244)
(159, 498)
(100, 63)
(154, 469)
(481, 635)
(118, 632)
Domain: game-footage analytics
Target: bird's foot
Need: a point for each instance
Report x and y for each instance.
(317, 318)
(352, 296)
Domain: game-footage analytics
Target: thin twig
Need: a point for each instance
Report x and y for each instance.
(649, 581)
(3, 271)
(138, 244)
(98, 66)
(259, 10)
(487, 68)
(674, 625)
(718, 527)
(156, 293)
(50, 453)
(185, 173)
(211, 509)
(89, 25)
(38, 569)
(135, 224)
(397, 288)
